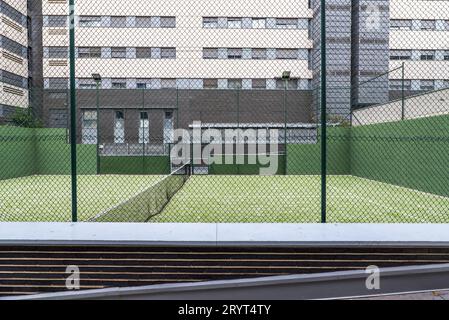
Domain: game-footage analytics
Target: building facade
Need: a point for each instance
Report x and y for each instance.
(180, 61)
(419, 38)
(185, 44)
(14, 64)
(171, 56)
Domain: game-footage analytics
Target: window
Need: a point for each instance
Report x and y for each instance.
(90, 21)
(118, 53)
(446, 25)
(286, 23)
(168, 53)
(118, 22)
(428, 55)
(373, 41)
(143, 53)
(259, 23)
(86, 84)
(168, 83)
(210, 53)
(234, 83)
(427, 85)
(89, 52)
(400, 54)
(119, 127)
(446, 84)
(446, 55)
(12, 13)
(303, 24)
(58, 83)
(401, 24)
(89, 127)
(259, 54)
(118, 83)
(259, 83)
(428, 24)
(141, 85)
(286, 54)
(144, 128)
(57, 21)
(234, 23)
(397, 85)
(13, 46)
(13, 79)
(168, 22)
(58, 52)
(210, 22)
(292, 84)
(235, 53)
(210, 83)
(143, 22)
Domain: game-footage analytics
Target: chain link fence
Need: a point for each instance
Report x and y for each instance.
(224, 111)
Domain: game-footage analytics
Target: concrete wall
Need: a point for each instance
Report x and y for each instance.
(212, 106)
(305, 159)
(411, 153)
(419, 106)
(25, 152)
(17, 148)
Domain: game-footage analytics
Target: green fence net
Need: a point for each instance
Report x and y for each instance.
(214, 112)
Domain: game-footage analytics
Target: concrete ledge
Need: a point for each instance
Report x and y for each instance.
(295, 287)
(225, 234)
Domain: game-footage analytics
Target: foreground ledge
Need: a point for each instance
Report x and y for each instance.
(335, 285)
(224, 234)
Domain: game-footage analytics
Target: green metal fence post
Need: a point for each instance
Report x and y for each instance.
(98, 126)
(323, 115)
(177, 107)
(285, 127)
(143, 129)
(403, 92)
(192, 160)
(73, 112)
(237, 160)
(172, 142)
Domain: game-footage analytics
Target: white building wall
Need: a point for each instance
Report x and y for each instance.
(419, 40)
(13, 30)
(11, 95)
(189, 37)
(19, 5)
(19, 97)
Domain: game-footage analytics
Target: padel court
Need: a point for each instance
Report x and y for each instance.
(221, 199)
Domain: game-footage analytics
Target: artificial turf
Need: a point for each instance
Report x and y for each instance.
(225, 199)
